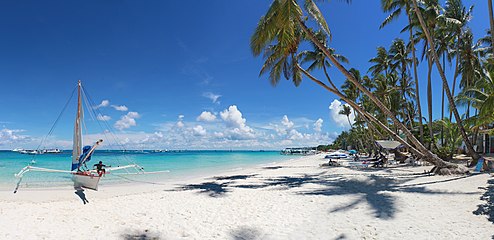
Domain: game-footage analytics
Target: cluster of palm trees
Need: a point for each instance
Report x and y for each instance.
(386, 102)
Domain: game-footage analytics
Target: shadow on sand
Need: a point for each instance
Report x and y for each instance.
(245, 233)
(80, 193)
(141, 235)
(488, 207)
(374, 190)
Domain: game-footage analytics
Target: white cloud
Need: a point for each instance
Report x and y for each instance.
(206, 117)
(103, 117)
(236, 123)
(287, 123)
(121, 108)
(318, 125)
(11, 135)
(233, 117)
(199, 130)
(104, 103)
(127, 121)
(339, 119)
(213, 97)
(180, 122)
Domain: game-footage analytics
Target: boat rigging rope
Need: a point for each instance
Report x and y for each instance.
(54, 124)
(109, 130)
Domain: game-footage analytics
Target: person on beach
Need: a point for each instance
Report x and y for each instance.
(100, 168)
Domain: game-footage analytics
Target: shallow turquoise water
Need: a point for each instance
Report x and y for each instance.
(179, 164)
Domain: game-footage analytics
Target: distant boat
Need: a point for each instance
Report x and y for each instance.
(17, 149)
(299, 151)
(53, 151)
(38, 151)
(31, 152)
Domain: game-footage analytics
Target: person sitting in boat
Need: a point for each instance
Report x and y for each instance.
(100, 168)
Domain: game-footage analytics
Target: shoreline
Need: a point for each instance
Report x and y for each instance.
(114, 189)
(292, 199)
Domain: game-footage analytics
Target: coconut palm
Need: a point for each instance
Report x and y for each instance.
(346, 111)
(481, 95)
(395, 7)
(455, 19)
(382, 62)
(469, 66)
(452, 105)
(317, 58)
(401, 62)
(276, 35)
(430, 13)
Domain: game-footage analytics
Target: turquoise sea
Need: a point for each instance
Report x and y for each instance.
(179, 164)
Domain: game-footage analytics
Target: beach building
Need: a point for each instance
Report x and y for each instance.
(485, 141)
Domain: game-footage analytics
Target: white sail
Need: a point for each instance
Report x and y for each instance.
(77, 144)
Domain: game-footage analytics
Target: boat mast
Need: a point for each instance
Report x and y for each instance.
(77, 144)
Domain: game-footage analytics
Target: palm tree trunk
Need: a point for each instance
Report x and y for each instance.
(442, 104)
(415, 73)
(491, 21)
(456, 73)
(357, 108)
(452, 104)
(429, 100)
(420, 151)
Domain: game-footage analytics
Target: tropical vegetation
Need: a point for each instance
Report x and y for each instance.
(386, 98)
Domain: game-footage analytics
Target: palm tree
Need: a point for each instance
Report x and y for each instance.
(395, 7)
(430, 14)
(452, 105)
(281, 25)
(469, 66)
(318, 59)
(382, 62)
(400, 61)
(481, 95)
(346, 111)
(456, 18)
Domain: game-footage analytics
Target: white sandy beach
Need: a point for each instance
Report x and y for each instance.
(296, 199)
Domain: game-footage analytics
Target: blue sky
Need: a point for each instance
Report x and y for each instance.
(174, 74)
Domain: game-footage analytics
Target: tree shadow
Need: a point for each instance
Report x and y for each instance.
(272, 168)
(141, 235)
(341, 237)
(245, 233)
(235, 177)
(212, 189)
(80, 193)
(487, 208)
(374, 191)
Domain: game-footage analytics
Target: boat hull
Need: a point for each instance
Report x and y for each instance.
(88, 180)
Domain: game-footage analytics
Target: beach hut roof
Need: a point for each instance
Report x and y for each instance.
(388, 144)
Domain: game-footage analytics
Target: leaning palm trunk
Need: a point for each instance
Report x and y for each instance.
(367, 116)
(422, 152)
(452, 104)
(420, 149)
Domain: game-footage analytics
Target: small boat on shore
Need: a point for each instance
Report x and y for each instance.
(82, 176)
